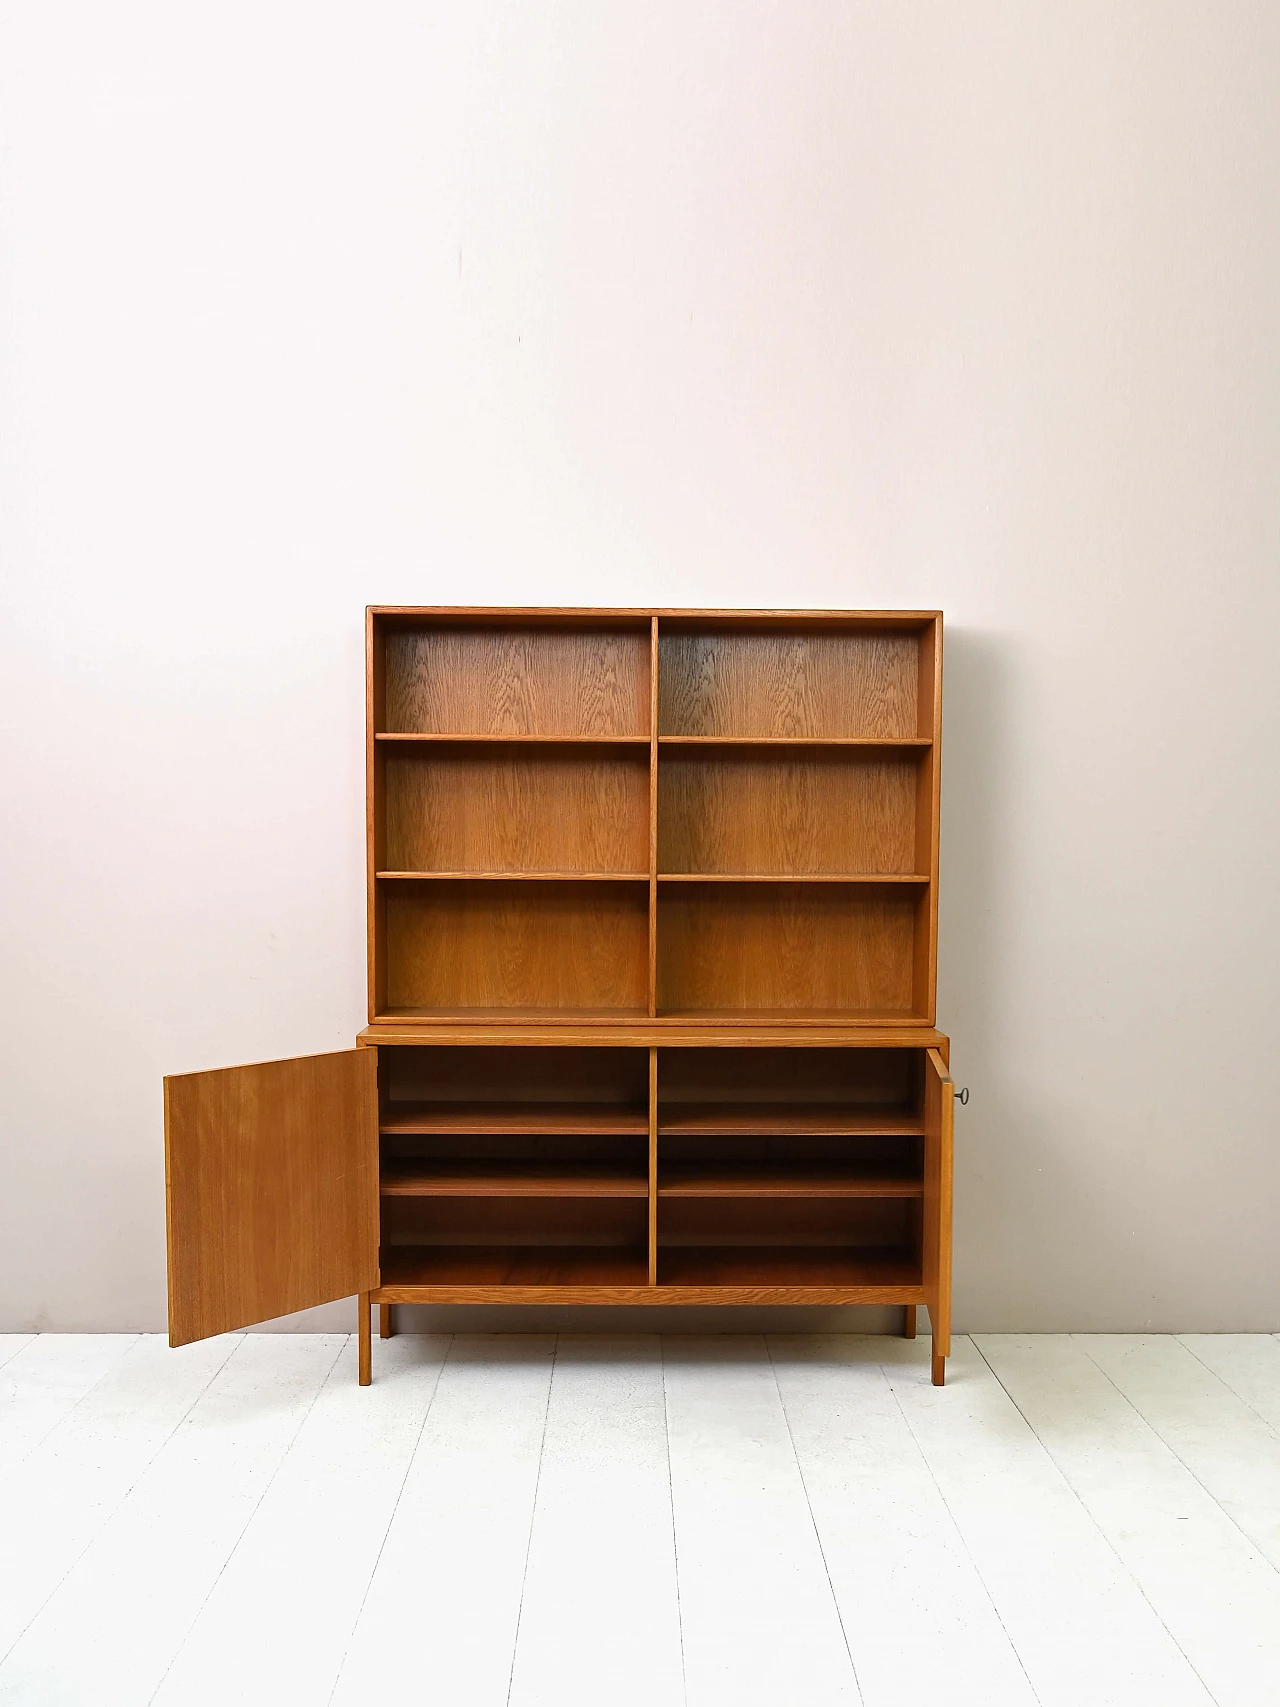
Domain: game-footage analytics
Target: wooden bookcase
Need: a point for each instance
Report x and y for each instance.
(652, 938)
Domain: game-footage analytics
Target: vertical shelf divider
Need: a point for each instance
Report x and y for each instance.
(653, 1167)
(653, 817)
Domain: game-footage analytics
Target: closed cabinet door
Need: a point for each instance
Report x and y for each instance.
(271, 1187)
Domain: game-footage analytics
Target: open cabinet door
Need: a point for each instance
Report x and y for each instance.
(271, 1189)
(939, 1116)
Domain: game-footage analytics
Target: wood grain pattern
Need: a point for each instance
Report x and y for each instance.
(496, 946)
(788, 1120)
(518, 681)
(745, 1179)
(515, 1118)
(888, 1291)
(511, 1179)
(789, 683)
(786, 947)
(744, 810)
(364, 1340)
(504, 1266)
(889, 1269)
(548, 1084)
(852, 1222)
(668, 1032)
(653, 820)
(652, 1166)
(271, 1176)
(939, 1110)
(508, 809)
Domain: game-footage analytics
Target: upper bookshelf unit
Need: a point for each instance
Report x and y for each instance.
(613, 815)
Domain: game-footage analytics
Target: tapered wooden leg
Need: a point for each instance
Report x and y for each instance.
(366, 1344)
(939, 1369)
(386, 1328)
(909, 1322)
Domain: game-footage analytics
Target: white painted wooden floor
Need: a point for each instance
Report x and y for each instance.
(1071, 1521)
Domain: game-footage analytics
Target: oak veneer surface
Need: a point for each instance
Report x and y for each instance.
(514, 681)
(499, 946)
(803, 1120)
(746, 1179)
(517, 809)
(536, 1265)
(271, 1175)
(781, 946)
(669, 1032)
(939, 1114)
(866, 1083)
(787, 1265)
(514, 1118)
(746, 810)
(852, 1221)
(789, 683)
(546, 1080)
(511, 1179)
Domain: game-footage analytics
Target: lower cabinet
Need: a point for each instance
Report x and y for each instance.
(480, 1173)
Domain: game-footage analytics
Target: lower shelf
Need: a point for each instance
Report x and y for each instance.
(509, 1266)
(563, 1274)
(786, 1265)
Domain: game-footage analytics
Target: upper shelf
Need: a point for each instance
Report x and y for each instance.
(509, 740)
(908, 741)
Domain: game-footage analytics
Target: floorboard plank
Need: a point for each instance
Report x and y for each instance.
(904, 1581)
(443, 1605)
(1223, 1442)
(760, 1620)
(280, 1616)
(12, 1344)
(1080, 1624)
(1248, 1363)
(1211, 1587)
(109, 1632)
(601, 1576)
(70, 1485)
(43, 1382)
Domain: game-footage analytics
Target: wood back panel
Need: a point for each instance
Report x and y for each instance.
(789, 683)
(516, 809)
(271, 1190)
(826, 948)
(514, 681)
(746, 809)
(500, 945)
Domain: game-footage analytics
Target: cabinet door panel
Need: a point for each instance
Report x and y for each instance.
(939, 1113)
(271, 1188)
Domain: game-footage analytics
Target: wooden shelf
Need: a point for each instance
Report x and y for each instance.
(903, 741)
(516, 876)
(484, 1119)
(513, 1265)
(748, 1179)
(789, 877)
(786, 1265)
(511, 1179)
(800, 1120)
(497, 740)
(854, 1017)
(511, 1016)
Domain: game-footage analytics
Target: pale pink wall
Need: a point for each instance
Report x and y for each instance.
(808, 304)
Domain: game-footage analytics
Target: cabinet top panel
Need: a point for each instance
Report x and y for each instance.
(595, 616)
